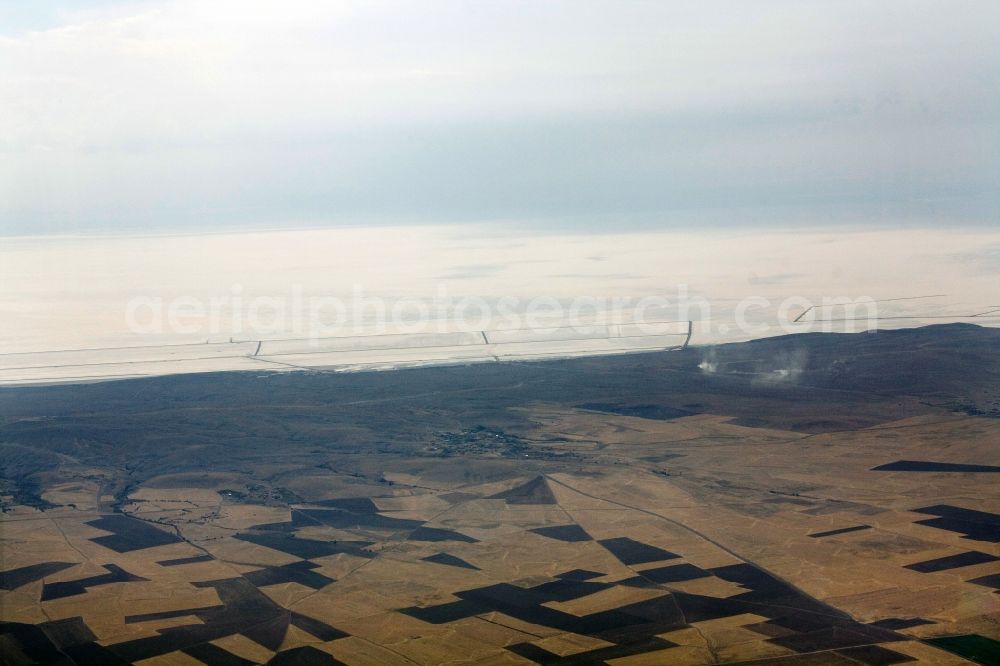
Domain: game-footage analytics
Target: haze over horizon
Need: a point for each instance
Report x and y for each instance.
(130, 117)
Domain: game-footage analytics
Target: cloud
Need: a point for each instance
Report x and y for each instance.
(132, 113)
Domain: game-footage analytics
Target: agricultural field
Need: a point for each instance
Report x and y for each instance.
(622, 510)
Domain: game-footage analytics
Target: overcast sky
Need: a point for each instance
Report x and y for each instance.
(133, 116)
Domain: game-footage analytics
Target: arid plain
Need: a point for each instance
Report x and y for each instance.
(816, 499)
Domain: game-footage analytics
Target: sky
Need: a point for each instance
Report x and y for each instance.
(130, 117)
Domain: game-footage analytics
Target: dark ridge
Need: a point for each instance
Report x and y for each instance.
(348, 520)
(976, 525)
(829, 638)
(570, 533)
(965, 559)
(30, 641)
(306, 655)
(438, 534)
(209, 653)
(128, 534)
(297, 572)
(68, 632)
(352, 504)
(15, 578)
(801, 622)
(244, 609)
(579, 574)
(449, 560)
(894, 623)
(655, 412)
(627, 624)
(992, 580)
(960, 513)
(447, 612)
(875, 655)
(842, 530)
(928, 466)
(674, 574)
(973, 531)
(74, 587)
(527, 604)
(93, 653)
(270, 634)
(533, 653)
(769, 629)
(634, 625)
(597, 656)
(564, 589)
(314, 627)
(536, 491)
(638, 581)
(766, 589)
(185, 560)
(629, 551)
(166, 615)
(307, 548)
